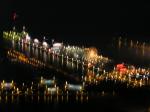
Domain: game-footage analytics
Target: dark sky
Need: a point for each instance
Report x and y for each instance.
(83, 19)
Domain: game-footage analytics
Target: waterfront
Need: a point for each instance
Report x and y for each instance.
(104, 97)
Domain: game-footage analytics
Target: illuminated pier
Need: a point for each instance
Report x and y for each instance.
(87, 57)
(87, 60)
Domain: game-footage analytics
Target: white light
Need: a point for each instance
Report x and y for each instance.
(57, 44)
(74, 87)
(36, 40)
(45, 44)
(27, 37)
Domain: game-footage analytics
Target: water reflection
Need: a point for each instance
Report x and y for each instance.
(52, 98)
(58, 61)
(130, 51)
(45, 57)
(46, 99)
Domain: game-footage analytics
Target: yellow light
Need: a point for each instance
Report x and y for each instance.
(91, 54)
(80, 88)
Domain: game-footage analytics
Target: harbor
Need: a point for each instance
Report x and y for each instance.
(63, 75)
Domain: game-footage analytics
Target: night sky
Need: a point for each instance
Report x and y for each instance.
(76, 19)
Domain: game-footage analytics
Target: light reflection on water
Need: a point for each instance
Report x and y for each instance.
(103, 103)
(44, 56)
(43, 99)
(130, 51)
(53, 100)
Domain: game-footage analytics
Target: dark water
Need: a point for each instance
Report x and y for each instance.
(127, 101)
(106, 103)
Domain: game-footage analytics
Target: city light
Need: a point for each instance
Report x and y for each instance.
(86, 59)
(92, 54)
(45, 45)
(28, 38)
(36, 41)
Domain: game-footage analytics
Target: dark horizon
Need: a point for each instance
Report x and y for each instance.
(92, 21)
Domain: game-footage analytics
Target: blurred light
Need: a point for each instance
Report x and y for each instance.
(28, 37)
(45, 44)
(36, 40)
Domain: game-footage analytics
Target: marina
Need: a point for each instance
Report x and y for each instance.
(59, 75)
(84, 66)
(74, 57)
